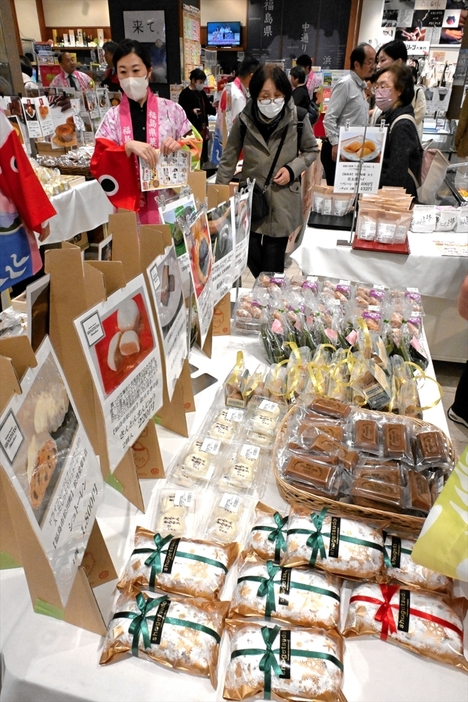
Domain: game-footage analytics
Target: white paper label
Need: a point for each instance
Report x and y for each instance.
(211, 446)
(250, 452)
(92, 328)
(230, 503)
(234, 415)
(268, 406)
(183, 498)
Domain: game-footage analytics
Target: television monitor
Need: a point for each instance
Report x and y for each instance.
(223, 33)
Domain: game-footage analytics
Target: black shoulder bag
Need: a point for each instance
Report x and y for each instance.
(260, 208)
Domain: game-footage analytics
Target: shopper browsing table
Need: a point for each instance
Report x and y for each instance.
(69, 77)
(394, 92)
(267, 127)
(347, 103)
(134, 129)
(197, 107)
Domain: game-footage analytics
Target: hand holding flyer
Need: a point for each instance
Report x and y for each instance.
(171, 171)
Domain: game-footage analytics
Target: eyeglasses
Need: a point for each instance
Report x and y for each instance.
(377, 87)
(269, 101)
(369, 62)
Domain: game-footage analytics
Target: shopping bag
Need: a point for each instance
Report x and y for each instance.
(443, 543)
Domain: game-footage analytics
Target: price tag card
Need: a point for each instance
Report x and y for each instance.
(359, 157)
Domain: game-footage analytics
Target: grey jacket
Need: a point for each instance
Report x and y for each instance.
(285, 204)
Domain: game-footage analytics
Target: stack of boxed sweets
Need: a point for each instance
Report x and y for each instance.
(327, 202)
(280, 602)
(440, 218)
(385, 216)
(371, 459)
(347, 334)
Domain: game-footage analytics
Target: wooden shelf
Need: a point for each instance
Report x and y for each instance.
(74, 48)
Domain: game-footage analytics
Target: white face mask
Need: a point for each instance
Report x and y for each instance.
(271, 110)
(135, 88)
(199, 87)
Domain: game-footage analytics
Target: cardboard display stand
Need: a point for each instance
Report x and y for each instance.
(19, 543)
(137, 252)
(74, 288)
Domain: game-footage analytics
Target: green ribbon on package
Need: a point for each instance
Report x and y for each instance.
(276, 535)
(269, 662)
(154, 559)
(267, 587)
(316, 543)
(139, 626)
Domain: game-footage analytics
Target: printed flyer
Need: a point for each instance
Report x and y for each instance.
(198, 243)
(166, 286)
(353, 148)
(46, 454)
(242, 230)
(38, 118)
(182, 207)
(119, 341)
(222, 227)
(170, 171)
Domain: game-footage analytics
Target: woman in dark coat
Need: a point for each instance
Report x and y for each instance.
(394, 92)
(197, 107)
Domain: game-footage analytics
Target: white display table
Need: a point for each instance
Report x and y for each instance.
(78, 210)
(45, 660)
(437, 277)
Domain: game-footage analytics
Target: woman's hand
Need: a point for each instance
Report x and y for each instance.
(45, 231)
(283, 177)
(169, 145)
(142, 150)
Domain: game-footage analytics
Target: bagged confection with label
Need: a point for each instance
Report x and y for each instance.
(286, 664)
(299, 596)
(428, 624)
(400, 566)
(268, 535)
(184, 566)
(347, 547)
(177, 633)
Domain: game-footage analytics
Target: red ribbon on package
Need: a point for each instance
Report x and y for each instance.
(384, 613)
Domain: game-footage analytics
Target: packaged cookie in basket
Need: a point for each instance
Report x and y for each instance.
(176, 512)
(431, 448)
(245, 469)
(379, 488)
(425, 623)
(320, 475)
(185, 566)
(329, 407)
(396, 440)
(300, 596)
(284, 663)
(347, 547)
(196, 464)
(177, 633)
(268, 535)
(229, 517)
(365, 430)
(400, 566)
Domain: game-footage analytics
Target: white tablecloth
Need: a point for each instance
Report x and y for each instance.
(437, 277)
(78, 210)
(45, 660)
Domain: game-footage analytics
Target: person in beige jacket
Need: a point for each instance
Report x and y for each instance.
(259, 128)
(461, 135)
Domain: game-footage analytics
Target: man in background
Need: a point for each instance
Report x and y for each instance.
(110, 79)
(312, 81)
(347, 103)
(69, 77)
(300, 93)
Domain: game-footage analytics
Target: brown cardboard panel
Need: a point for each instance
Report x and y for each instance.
(124, 229)
(153, 241)
(19, 349)
(9, 384)
(97, 562)
(217, 194)
(82, 608)
(147, 455)
(8, 542)
(126, 474)
(94, 286)
(186, 382)
(172, 413)
(208, 345)
(222, 316)
(197, 182)
(113, 272)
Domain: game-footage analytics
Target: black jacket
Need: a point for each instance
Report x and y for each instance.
(191, 100)
(301, 97)
(403, 151)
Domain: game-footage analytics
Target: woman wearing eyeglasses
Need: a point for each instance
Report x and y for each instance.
(394, 92)
(267, 130)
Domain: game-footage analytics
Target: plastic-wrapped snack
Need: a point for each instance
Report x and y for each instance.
(246, 317)
(195, 465)
(264, 418)
(240, 384)
(228, 518)
(289, 664)
(178, 633)
(400, 566)
(184, 566)
(176, 512)
(268, 535)
(424, 623)
(299, 596)
(430, 448)
(329, 407)
(316, 473)
(338, 545)
(396, 442)
(245, 469)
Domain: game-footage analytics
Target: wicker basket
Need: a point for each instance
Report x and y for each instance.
(293, 494)
(76, 170)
